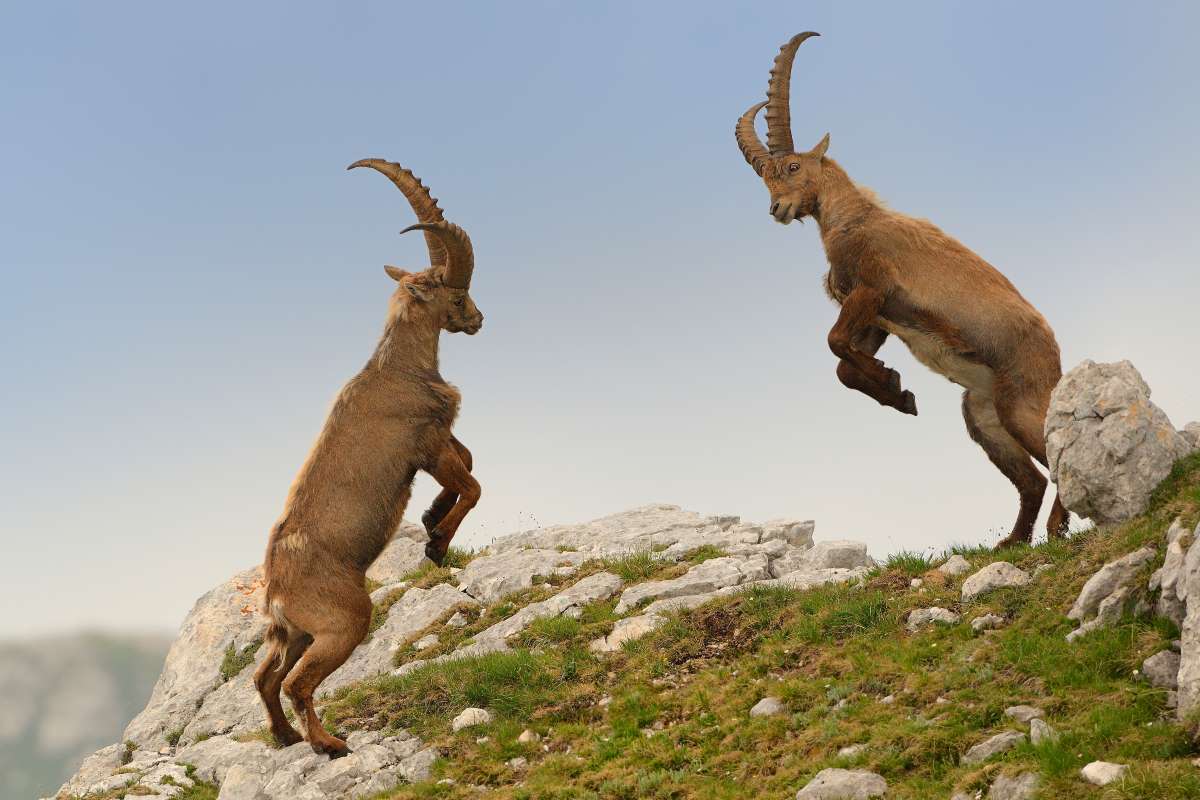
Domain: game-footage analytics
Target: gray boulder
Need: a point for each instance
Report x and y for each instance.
(1102, 773)
(1107, 445)
(1191, 432)
(491, 576)
(1103, 598)
(839, 554)
(1023, 786)
(1162, 669)
(1188, 590)
(768, 707)
(921, 617)
(843, 784)
(708, 576)
(997, 575)
(954, 566)
(1167, 579)
(403, 554)
(993, 746)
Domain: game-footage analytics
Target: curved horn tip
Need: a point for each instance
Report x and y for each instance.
(362, 162)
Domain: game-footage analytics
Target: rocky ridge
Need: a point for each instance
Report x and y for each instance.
(204, 713)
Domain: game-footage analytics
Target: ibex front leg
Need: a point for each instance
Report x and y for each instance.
(855, 339)
(456, 479)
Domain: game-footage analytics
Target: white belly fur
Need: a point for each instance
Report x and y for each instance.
(933, 353)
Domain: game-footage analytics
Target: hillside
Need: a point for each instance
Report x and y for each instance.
(628, 657)
(65, 696)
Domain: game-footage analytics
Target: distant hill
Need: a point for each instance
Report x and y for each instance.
(64, 697)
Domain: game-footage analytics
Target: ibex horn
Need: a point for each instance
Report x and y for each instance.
(424, 205)
(779, 113)
(461, 257)
(752, 147)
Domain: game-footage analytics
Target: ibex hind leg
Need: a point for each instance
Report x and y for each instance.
(283, 651)
(1010, 457)
(337, 626)
(1023, 414)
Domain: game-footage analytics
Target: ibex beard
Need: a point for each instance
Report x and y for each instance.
(391, 420)
(897, 275)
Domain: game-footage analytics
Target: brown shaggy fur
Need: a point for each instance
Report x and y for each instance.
(390, 420)
(897, 275)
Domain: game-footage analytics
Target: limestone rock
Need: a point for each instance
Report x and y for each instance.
(1015, 787)
(843, 784)
(839, 554)
(852, 751)
(228, 614)
(1102, 773)
(921, 617)
(417, 609)
(987, 622)
(767, 707)
(1102, 599)
(1040, 732)
(405, 553)
(997, 575)
(1024, 714)
(993, 746)
(1107, 580)
(627, 630)
(600, 586)
(469, 718)
(95, 767)
(1107, 445)
(1188, 590)
(954, 566)
(713, 574)
(799, 534)
(1191, 432)
(1162, 669)
(1167, 580)
(490, 577)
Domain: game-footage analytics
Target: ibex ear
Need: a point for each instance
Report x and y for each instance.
(395, 273)
(418, 291)
(822, 146)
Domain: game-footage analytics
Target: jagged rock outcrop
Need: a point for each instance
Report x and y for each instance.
(227, 616)
(1188, 591)
(1107, 445)
(205, 699)
(1102, 599)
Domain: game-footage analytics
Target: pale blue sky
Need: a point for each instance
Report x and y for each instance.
(190, 275)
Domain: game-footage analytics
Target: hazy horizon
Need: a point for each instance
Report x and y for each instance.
(191, 274)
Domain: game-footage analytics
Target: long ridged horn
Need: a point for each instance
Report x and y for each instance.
(461, 262)
(747, 138)
(779, 112)
(424, 205)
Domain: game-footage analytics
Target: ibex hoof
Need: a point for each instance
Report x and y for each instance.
(908, 403)
(432, 549)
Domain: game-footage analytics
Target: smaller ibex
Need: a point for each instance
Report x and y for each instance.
(893, 274)
(390, 420)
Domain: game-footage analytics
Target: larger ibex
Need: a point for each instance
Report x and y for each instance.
(893, 274)
(390, 420)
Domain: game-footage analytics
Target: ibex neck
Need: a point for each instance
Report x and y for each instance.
(840, 203)
(407, 347)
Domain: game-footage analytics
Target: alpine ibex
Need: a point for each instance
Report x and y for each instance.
(391, 420)
(893, 274)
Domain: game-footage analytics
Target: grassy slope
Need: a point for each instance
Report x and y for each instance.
(677, 724)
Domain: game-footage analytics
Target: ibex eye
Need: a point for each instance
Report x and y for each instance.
(793, 167)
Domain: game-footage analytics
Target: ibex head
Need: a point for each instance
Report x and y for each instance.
(441, 292)
(793, 178)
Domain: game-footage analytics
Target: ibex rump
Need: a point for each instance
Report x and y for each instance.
(390, 420)
(893, 274)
